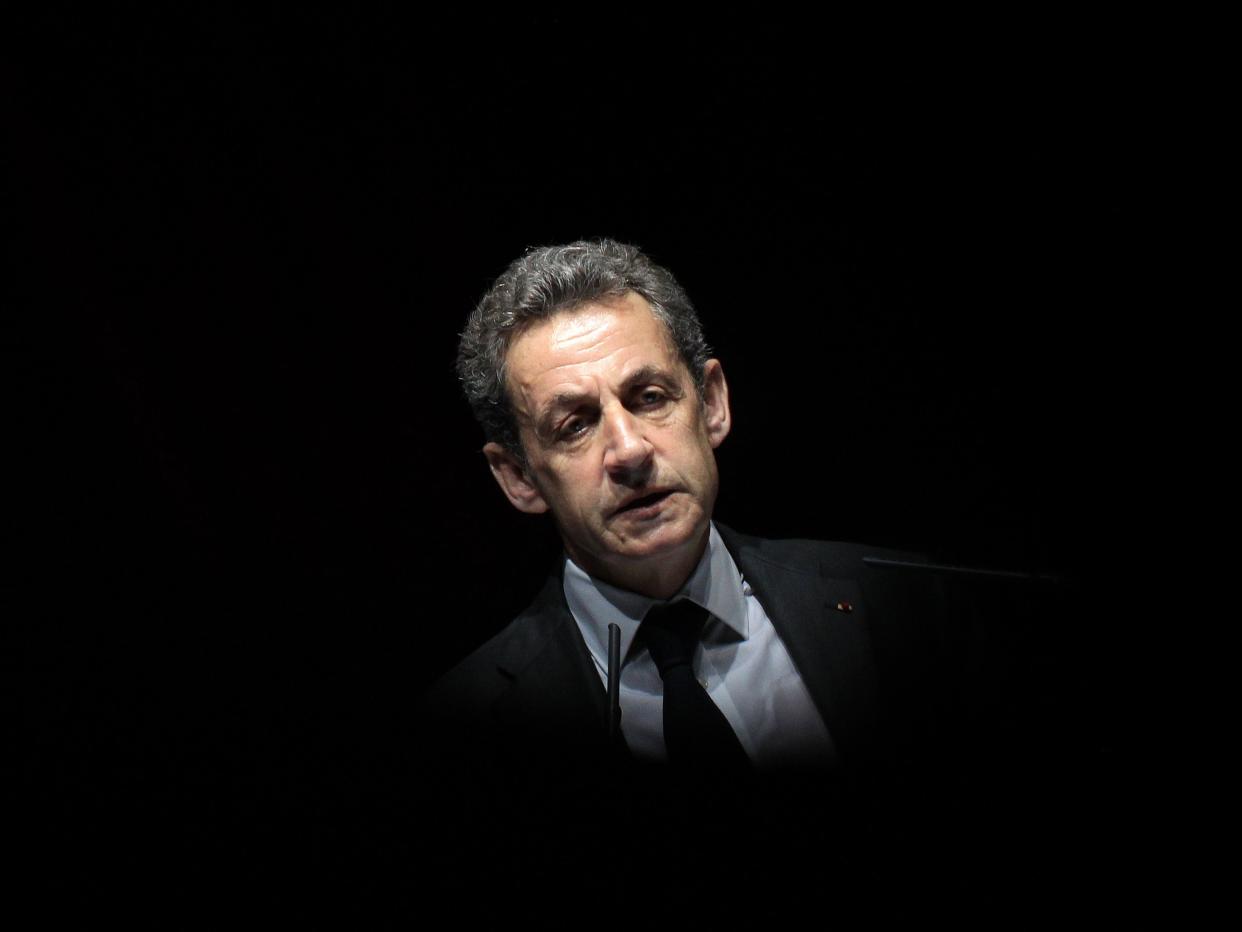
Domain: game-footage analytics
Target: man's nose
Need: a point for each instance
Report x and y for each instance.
(627, 456)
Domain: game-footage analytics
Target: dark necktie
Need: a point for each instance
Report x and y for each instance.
(695, 730)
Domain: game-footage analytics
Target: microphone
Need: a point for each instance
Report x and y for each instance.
(614, 681)
(977, 572)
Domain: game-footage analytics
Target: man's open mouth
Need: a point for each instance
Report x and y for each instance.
(644, 501)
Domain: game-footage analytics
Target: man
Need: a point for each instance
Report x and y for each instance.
(587, 367)
(588, 370)
(799, 720)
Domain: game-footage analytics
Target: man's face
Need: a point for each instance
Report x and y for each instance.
(619, 444)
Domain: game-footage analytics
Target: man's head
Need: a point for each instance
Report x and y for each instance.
(587, 367)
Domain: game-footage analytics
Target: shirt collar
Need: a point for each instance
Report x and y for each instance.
(715, 584)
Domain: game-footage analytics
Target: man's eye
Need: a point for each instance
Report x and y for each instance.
(652, 397)
(573, 428)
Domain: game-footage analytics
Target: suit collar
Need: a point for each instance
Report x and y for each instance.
(715, 584)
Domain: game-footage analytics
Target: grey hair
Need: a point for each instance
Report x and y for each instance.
(550, 279)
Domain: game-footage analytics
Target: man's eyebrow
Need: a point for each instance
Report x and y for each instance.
(648, 374)
(561, 401)
(558, 404)
(569, 400)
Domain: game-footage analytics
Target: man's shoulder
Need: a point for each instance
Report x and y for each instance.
(832, 558)
(902, 597)
(489, 670)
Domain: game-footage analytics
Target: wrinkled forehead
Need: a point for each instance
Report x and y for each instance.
(600, 339)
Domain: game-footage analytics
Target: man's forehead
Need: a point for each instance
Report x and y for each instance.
(608, 340)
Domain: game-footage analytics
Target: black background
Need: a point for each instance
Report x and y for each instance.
(259, 521)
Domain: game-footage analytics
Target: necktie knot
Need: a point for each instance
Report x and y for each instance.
(672, 633)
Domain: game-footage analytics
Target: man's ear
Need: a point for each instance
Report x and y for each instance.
(513, 480)
(716, 402)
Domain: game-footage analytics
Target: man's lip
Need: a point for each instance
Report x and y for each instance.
(641, 501)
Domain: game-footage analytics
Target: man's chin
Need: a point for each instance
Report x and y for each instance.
(650, 563)
(661, 540)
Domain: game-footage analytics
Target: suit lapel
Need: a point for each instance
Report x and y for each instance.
(822, 622)
(555, 693)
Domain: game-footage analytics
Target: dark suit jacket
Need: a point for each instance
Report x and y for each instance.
(532, 692)
(529, 777)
